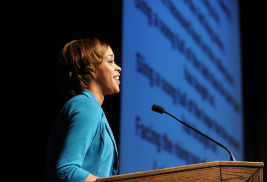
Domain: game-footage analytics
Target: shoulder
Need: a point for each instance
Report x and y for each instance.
(81, 108)
(82, 102)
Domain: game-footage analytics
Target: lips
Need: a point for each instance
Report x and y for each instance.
(117, 79)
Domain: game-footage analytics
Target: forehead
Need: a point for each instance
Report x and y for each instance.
(109, 53)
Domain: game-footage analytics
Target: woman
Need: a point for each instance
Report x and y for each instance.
(81, 146)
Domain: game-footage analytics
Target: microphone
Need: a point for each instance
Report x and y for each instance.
(158, 109)
(161, 110)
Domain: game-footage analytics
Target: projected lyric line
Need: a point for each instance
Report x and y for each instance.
(181, 98)
(185, 24)
(178, 44)
(163, 143)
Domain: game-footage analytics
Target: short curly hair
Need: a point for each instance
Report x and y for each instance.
(78, 62)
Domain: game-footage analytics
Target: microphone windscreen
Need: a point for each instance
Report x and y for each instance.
(158, 108)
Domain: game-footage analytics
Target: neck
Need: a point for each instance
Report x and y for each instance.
(96, 92)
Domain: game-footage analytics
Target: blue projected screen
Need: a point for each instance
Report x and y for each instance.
(183, 55)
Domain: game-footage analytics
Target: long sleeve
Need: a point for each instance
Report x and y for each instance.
(81, 142)
(80, 121)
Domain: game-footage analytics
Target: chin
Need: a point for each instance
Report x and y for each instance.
(116, 91)
(113, 92)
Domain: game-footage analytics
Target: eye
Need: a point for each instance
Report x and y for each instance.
(110, 61)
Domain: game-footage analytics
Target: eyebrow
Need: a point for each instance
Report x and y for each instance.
(112, 55)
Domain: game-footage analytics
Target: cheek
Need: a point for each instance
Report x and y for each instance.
(105, 77)
(107, 74)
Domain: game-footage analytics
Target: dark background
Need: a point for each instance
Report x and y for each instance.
(33, 34)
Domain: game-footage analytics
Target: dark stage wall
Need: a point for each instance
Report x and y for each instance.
(33, 36)
(254, 49)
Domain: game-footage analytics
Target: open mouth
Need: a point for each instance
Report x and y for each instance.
(117, 79)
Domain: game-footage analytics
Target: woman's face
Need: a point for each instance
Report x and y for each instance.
(108, 74)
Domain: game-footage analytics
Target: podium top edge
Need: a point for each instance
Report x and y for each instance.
(185, 168)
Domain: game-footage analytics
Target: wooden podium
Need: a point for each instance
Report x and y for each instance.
(230, 171)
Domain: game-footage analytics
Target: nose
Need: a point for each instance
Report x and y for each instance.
(117, 68)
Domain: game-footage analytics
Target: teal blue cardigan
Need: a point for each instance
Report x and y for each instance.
(81, 142)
